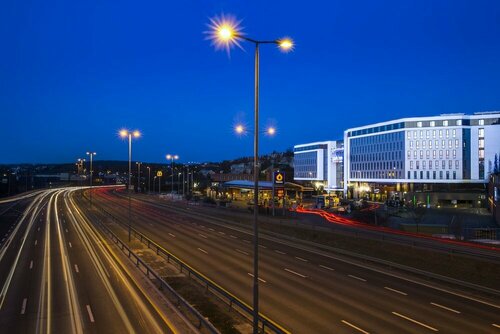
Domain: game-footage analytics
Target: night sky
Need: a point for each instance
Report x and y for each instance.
(72, 73)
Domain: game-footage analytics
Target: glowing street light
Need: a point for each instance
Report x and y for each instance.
(172, 157)
(124, 133)
(240, 130)
(225, 32)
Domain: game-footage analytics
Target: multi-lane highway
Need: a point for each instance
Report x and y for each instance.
(58, 275)
(304, 289)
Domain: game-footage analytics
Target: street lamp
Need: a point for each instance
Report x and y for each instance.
(225, 33)
(129, 134)
(91, 154)
(172, 157)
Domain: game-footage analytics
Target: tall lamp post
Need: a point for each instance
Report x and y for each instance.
(172, 157)
(91, 154)
(129, 134)
(225, 34)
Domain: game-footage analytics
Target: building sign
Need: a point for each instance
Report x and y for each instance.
(159, 173)
(280, 192)
(279, 178)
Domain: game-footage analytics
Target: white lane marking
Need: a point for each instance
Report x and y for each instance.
(76, 268)
(203, 236)
(280, 252)
(70, 245)
(260, 279)
(295, 273)
(245, 240)
(415, 321)
(31, 264)
(355, 327)
(301, 259)
(202, 250)
(232, 236)
(325, 267)
(172, 235)
(445, 308)
(67, 231)
(23, 308)
(262, 246)
(91, 316)
(211, 229)
(495, 325)
(240, 251)
(358, 278)
(222, 233)
(396, 291)
(36, 242)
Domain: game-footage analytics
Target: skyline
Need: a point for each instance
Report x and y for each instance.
(77, 73)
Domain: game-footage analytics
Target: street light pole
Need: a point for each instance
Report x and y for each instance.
(225, 33)
(138, 175)
(149, 179)
(172, 157)
(91, 154)
(129, 134)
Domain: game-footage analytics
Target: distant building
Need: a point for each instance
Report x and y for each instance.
(449, 155)
(320, 163)
(242, 168)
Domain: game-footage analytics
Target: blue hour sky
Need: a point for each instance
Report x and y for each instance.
(72, 73)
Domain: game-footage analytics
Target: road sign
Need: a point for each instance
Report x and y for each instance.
(159, 173)
(279, 178)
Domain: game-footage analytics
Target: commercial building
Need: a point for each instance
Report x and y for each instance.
(320, 163)
(428, 159)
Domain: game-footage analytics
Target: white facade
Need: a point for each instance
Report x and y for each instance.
(321, 162)
(453, 148)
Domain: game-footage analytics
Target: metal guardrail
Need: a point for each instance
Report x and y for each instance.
(233, 301)
(202, 321)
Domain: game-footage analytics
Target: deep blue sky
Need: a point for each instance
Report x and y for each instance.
(72, 73)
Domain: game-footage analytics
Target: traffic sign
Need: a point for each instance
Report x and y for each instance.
(279, 177)
(159, 173)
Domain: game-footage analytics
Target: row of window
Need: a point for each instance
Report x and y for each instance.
(428, 133)
(424, 143)
(435, 174)
(434, 164)
(377, 165)
(395, 174)
(384, 156)
(417, 154)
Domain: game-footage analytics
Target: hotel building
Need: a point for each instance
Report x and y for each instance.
(431, 159)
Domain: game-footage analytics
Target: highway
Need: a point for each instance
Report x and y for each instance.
(58, 275)
(305, 290)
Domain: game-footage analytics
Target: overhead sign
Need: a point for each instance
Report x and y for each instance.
(279, 178)
(159, 173)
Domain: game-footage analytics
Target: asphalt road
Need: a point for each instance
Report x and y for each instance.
(57, 275)
(307, 291)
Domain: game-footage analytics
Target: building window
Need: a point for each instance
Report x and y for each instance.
(415, 154)
(481, 132)
(421, 154)
(443, 164)
(415, 174)
(427, 154)
(454, 154)
(447, 133)
(427, 134)
(427, 174)
(411, 164)
(454, 133)
(411, 143)
(459, 122)
(430, 164)
(409, 174)
(441, 174)
(457, 164)
(433, 133)
(481, 154)
(436, 144)
(408, 154)
(481, 122)
(440, 133)
(447, 154)
(417, 164)
(415, 134)
(450, 164)
(481, 143)
(447, 175)
(440, 154)
(423, 164)
(445, 123)
(408, 134)
(433, 123)
(454, 175)
(418, 144)
(434, 175)
(434, 154)
(419, 124)
(456, 143)
(423, 143)
(430, 143)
